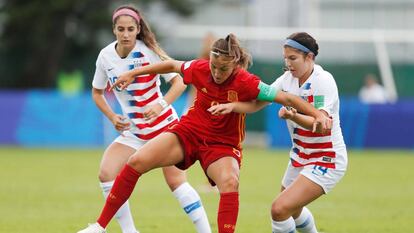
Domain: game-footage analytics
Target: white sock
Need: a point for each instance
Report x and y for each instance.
(191, 203)
(123, 216)
(286, 226)
(305, 222)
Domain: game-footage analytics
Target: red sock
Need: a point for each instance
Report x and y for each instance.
(121, 190)
(228, 211)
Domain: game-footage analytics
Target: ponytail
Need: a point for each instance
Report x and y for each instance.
(230, 47)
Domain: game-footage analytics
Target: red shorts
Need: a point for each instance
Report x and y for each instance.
(195, 148)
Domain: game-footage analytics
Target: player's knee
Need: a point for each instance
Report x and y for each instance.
(105, 175)
(174, 182)
(139, 163)
(279, 211)
(229, 184)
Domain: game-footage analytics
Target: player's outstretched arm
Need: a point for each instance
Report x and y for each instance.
(268, 93)
(163, 67)
(239, 107)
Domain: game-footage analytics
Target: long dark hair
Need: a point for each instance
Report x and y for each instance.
(306, 40)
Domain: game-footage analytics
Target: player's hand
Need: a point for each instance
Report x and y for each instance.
(120, 123)
(287, 112)
(322, 124)
(123, 81)
(221, 109)
(152, 112)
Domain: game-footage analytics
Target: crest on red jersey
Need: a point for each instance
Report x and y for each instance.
(232, 96)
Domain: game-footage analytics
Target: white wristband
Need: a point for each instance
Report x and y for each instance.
(163, 103)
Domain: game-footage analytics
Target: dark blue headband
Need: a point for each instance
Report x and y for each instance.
(296, 45)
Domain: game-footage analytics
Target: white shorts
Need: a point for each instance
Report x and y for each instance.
(327, 178)
(130, 140)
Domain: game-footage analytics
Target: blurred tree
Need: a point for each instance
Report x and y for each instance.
(184, 8)
(38, 35)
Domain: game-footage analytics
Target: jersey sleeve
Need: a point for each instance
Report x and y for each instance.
(187, 69)
(278, 83)
(252, 87)
(326, 94)
(100, 79)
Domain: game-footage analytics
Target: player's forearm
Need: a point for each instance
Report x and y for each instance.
(248, 107)
(101, 103)
(303, 120)
(163, 67)
(176, 89)
(302, 106)
(306, 122)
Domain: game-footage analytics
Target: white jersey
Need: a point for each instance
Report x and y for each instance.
(312, 148)
(142, 92)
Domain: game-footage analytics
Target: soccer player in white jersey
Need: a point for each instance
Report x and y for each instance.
(318, 158)
(146, 113)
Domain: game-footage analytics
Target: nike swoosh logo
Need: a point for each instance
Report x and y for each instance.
(110, 69)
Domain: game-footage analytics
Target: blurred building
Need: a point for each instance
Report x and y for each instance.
(367, 15)
(355, 38)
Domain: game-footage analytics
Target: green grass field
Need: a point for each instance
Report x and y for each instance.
(45, 191)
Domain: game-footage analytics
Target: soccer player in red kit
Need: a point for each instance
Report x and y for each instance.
(213, 140)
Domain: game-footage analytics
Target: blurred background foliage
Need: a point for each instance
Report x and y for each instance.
(40, 38)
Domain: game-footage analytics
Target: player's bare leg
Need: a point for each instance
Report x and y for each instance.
(291, 201)
(225, 173)
(114, 158)
(164, 150)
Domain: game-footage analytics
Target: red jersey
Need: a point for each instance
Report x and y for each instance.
(227, 129)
